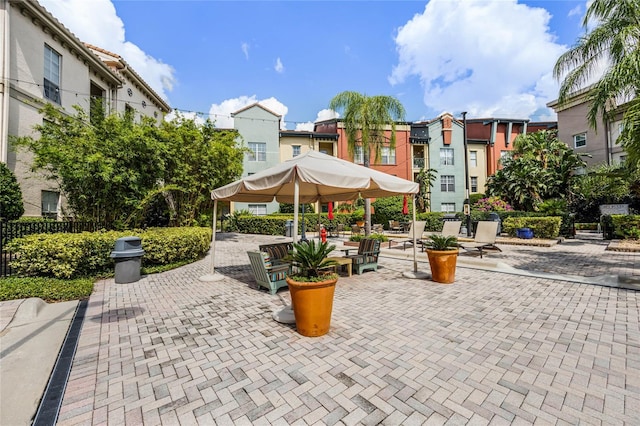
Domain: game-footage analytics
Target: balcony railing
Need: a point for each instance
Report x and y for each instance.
(418, 163)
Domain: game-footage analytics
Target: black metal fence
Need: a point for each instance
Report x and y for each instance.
(11, 230)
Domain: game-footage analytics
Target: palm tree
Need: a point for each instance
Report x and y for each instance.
(614, 43)
(365, 119)
(426, 178)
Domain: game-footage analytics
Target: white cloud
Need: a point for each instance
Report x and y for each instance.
(576, 11)
(96, 22)
(279, 67)
(221, 113)
(325, 114)
(245, 50)
(487, 58)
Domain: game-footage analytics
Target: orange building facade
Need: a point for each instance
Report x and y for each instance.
(396, 162)
(499, 134)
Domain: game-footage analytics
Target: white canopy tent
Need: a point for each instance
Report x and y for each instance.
(309, 178)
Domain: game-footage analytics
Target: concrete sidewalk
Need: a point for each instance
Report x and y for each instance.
(492, 348)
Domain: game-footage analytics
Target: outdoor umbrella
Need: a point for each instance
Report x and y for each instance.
(330, 209)
(405, 207)
(308, 178)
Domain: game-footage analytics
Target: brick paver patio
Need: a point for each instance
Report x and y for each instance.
(490, 349)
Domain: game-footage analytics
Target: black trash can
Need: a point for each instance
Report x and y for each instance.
(127, 256)
(494, 217)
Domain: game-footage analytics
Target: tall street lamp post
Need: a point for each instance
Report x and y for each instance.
(467, 203)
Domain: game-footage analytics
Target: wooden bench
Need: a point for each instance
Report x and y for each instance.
(268, 275)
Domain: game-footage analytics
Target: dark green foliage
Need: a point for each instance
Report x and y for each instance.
(626, 226)
(311, 257)
(11, 206)
(119, 170)
(542, 227)
(441, 242)
(288, 208)
(88, 254)
(48, 289)
(389, 208)
(540, 167)
(374, 236)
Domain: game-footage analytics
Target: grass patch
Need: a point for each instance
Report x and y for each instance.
(48, 289)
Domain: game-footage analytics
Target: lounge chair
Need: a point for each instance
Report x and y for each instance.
(367, 257)
(419, 230)
(450, 227)
(268, 275)
(484, 239)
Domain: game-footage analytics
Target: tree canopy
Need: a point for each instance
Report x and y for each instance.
(612, 42)
(540, 167)
(114, 169)
(366, 118)
(11, 206)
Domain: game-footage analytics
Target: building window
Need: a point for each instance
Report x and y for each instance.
(447, 183)
(474, 184)
(258, 151)
(51, 74)
(473, 158)
(358, 156)
(446, 156)
(388, 155)
(258, 209)
(296, 150)
(50, 204)
(448, 207)
(623, 159)
(579, 140)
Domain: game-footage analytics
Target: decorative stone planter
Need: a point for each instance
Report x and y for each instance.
(524, 233)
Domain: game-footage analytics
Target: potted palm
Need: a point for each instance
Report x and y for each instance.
(442, 251)
(311, 287)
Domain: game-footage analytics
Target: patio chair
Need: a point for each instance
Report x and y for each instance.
(267, 275)
(355, 229)
(394, 226)
(419, 230)
(450, 227)
(367, 257)
(484, 239)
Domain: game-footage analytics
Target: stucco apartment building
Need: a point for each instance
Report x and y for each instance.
(575, 131)
(41, 62)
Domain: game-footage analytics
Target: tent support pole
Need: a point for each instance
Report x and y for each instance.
(415, 274)
(212, 276)
(296, 206)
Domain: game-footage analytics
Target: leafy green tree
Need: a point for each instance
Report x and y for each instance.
(105, 169)
(365, 119)
(425, 179)
(198, 159)
(540, 167)
(115, 169)
(612, 40)
(11, 206)
(605, 185)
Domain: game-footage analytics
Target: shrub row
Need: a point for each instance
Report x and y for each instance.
(48, 289)
(621, 226)
(542, 227)
(88, 253)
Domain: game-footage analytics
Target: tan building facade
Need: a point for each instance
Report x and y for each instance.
(43, 62)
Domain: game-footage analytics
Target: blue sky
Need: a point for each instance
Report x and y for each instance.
(491, 58)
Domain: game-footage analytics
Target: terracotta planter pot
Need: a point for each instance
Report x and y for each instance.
(312, 306)
(443, 265)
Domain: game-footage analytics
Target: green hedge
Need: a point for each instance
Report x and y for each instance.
(48, 289)
(625, 226)
(87, 254)
(542, 227)
(275, 224)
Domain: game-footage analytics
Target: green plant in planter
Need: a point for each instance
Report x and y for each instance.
(442, 242)
(310, 258)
